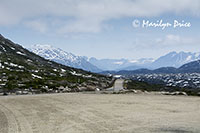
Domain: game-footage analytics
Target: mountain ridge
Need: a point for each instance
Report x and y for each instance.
(63, 57)
(175, 59)
(191, 67)
(171, 59)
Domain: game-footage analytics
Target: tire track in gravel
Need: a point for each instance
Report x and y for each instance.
(91, 113)
(3, 122)
(16, 121)
(12, 122)
(79, 120)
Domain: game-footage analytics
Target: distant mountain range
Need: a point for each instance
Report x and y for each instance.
(120, 64)
(88, 64)
(55, 54)
(172, 59)
(192, 67)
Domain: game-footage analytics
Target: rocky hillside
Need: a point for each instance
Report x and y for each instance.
(21, 69)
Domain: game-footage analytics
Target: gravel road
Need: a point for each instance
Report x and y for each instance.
(99, 113)
(118, 85)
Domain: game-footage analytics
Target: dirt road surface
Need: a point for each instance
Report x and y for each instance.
(118, 85)
(99, 113)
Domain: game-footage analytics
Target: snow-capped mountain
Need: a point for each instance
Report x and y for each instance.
(120, 64)
(63, 57)
(174, 59)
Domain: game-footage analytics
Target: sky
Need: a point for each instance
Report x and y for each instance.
(113, 29)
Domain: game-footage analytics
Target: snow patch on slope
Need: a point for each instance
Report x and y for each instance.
(63, 57)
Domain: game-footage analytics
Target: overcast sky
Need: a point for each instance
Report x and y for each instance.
(103, 28)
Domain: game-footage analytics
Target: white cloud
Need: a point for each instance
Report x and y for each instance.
(89, 15)
(81, 26)
(169, 39)
(175, 40)
(165, 42)
(37, 25)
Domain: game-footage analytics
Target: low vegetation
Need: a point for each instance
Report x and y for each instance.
(144, 86)
(22, 72)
